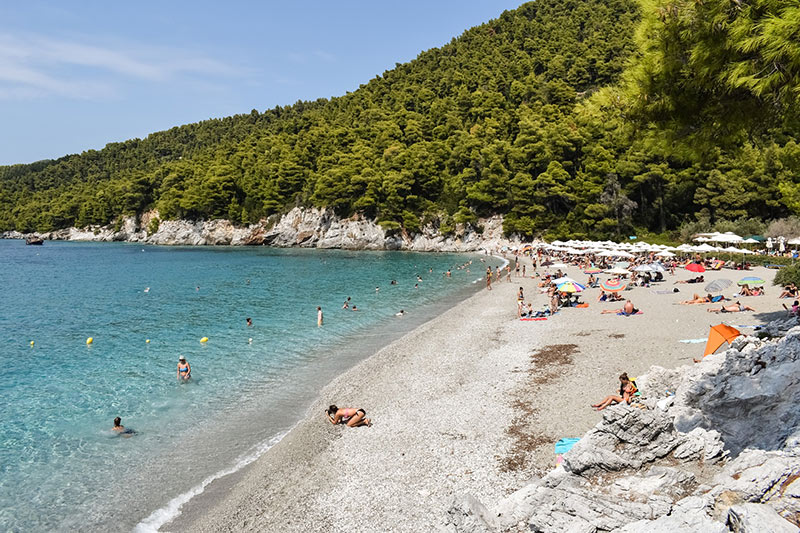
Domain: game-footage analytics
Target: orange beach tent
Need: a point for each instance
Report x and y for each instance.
(718, 336)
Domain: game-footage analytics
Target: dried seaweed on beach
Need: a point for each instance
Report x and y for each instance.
(525, 437)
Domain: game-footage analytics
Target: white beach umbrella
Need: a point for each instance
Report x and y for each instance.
(705, 248)
(625, 254)
(796, 240)
(665, 253)
(657, 267)
(750, 241)
(700, 239)
(618, 271)
(643, 268)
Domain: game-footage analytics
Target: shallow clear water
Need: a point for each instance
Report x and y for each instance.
(60, 465)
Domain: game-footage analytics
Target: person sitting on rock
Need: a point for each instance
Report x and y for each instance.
(626, 391)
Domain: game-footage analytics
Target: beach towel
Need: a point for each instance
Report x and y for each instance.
(718, 298)
(636, 313)
(670, 291)
(693, 341)
(564, 445)
(536, 318)
(582, 305)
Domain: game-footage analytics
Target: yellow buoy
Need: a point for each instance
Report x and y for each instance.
(204, 339)
(31, 344)
(90, 340)
(147, 341)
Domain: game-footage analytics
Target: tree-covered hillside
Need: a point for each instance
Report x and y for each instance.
(545, 115)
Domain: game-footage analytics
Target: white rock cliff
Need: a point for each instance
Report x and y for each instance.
(302, 227)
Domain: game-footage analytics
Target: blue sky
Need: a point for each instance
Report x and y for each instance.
(75, 77)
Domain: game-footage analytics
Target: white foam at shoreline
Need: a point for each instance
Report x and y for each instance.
(172, 510)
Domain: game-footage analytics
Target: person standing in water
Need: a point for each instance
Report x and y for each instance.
(249, 322)
(184, 369)
(319, 316)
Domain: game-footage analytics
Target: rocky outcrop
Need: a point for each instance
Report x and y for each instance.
(308, 228)
(711, 447)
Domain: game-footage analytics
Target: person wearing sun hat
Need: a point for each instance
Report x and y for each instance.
(184, 369)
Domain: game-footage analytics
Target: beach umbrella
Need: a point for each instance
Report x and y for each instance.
(718, 285)
(657, 267)
(618, 271)
(571, 286)
(564, 279)
(751, 280)
(719, 335)
(643, 268)
(593, 271)
(695, 267)
(705, 248)
(665, 254)
(613, 285)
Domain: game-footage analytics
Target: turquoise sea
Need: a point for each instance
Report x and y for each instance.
(61, 468)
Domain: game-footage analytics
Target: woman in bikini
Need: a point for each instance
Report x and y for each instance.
(349, 416)
(184, 369)
(626, 391)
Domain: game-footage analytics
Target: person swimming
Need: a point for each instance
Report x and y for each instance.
(249, 322)
(184, 369)
(122, 430)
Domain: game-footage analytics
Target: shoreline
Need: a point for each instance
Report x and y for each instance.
(350, 355)
(461, 404)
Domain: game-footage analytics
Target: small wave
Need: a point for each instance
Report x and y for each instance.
(172, 510)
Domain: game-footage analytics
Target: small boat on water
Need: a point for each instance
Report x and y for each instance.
(34, 240)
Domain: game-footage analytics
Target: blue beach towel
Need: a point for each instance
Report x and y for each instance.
(564, 445)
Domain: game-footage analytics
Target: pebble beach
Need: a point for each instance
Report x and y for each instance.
(471, 402)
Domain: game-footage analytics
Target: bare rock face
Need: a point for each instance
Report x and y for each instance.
(711, 447)
(300, 227)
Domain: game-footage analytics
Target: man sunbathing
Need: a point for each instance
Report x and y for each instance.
(627, 310)
(698, 279)
(733, 308)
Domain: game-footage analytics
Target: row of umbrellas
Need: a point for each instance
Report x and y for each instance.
(569, 285)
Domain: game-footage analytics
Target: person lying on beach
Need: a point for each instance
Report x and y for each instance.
(184, 369)
(614, 297)
(733, 308)
(627, 310)
(698, 279)
(626, 391)
(697, 299)
(122, 430)
(348, 416)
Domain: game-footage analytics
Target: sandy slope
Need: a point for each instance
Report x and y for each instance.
(472, 401)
